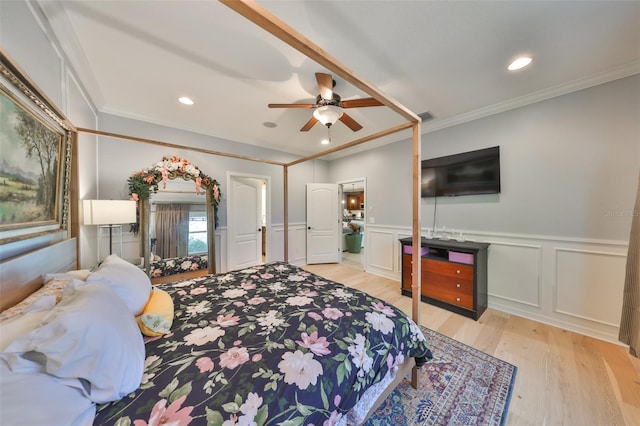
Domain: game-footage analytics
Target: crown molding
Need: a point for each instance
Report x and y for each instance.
(552, 92)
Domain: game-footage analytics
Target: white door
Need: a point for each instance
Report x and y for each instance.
(245, 223)
(323, 223)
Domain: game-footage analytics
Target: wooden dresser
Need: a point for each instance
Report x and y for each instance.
(454, 274)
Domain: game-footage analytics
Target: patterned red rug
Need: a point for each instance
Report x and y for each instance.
(459, 386)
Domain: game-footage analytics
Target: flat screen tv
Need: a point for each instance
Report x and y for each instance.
(468, 173)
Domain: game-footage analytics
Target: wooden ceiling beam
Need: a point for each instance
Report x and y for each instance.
(278, 28)
(353, 143)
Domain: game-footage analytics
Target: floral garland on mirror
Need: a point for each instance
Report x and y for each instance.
(146, 182)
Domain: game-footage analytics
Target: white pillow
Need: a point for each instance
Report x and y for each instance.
(89, 336)
(129, 282)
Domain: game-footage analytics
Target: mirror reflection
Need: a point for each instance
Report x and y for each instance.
(178, 238)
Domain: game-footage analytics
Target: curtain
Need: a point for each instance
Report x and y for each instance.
(630, 320)
(172, 230)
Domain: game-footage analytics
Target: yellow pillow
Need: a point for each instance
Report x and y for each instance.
(157, 316)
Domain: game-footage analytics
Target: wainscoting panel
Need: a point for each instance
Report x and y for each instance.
(574, 284)
(589, 284)
(380, 251)
(297, 243)
(514, 272)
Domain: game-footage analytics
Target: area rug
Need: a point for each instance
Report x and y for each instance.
(459, 386)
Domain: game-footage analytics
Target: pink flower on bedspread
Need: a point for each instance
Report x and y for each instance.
(315, 316)
(234, 357)
(248, 285)
(227, 320)
(256, 300)
(386, 310)
(172, 414)
(204, 364)
(199, 290)
(332, 313)
(317, 345)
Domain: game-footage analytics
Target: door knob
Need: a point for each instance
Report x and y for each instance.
(309, 228)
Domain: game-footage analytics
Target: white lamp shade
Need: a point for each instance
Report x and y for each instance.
(328, 114)
(108, 212)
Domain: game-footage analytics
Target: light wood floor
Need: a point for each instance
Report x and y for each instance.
(563, 378)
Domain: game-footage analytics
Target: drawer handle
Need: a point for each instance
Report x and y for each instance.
(458, 285)
(457, 299)
(457, 271)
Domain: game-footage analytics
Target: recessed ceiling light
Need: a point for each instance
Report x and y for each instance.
(185, 100)
(519, 63)
(269, 124)
(325, 142)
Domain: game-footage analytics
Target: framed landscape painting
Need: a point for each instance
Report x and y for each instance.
(35, 147)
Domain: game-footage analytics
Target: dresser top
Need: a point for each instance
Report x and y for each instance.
(447, 244)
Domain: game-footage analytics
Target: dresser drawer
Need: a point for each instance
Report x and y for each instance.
(456, 292)
(455, 270)
(406, 272)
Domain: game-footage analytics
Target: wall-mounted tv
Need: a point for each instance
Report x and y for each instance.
(467, 173)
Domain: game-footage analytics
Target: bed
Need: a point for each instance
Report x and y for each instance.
(270, 344)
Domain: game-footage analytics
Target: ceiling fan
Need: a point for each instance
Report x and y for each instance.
(329, 108)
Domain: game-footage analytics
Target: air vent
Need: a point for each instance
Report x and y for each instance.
(425, 116)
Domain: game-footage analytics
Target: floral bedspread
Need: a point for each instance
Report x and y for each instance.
(273, 344)
(178, 265)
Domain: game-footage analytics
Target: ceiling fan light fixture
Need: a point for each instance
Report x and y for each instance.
(328, 114)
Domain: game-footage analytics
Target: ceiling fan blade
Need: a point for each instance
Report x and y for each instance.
(357, 103)
(325, 84)
(291, 105)
(350, 122)
(309, 124)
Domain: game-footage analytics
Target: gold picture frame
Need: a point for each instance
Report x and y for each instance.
(35, 166)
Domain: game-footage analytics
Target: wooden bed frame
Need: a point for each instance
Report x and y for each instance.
(22, 275)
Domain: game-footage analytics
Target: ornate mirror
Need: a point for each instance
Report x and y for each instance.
(142, 187)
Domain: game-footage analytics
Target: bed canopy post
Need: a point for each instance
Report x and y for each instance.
(211, 234)
(416, 269)
(285, 179)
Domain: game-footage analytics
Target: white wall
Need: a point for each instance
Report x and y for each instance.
(560, 227)
(27, 39)
(119, 158)
(567, 164)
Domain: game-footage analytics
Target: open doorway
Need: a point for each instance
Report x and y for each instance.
(352, 205)
(248, 201)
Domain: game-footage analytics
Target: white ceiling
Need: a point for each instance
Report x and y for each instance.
(446, 57)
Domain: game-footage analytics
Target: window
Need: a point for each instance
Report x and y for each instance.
(197, 232)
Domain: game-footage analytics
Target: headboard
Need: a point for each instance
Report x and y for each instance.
(22, 275)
